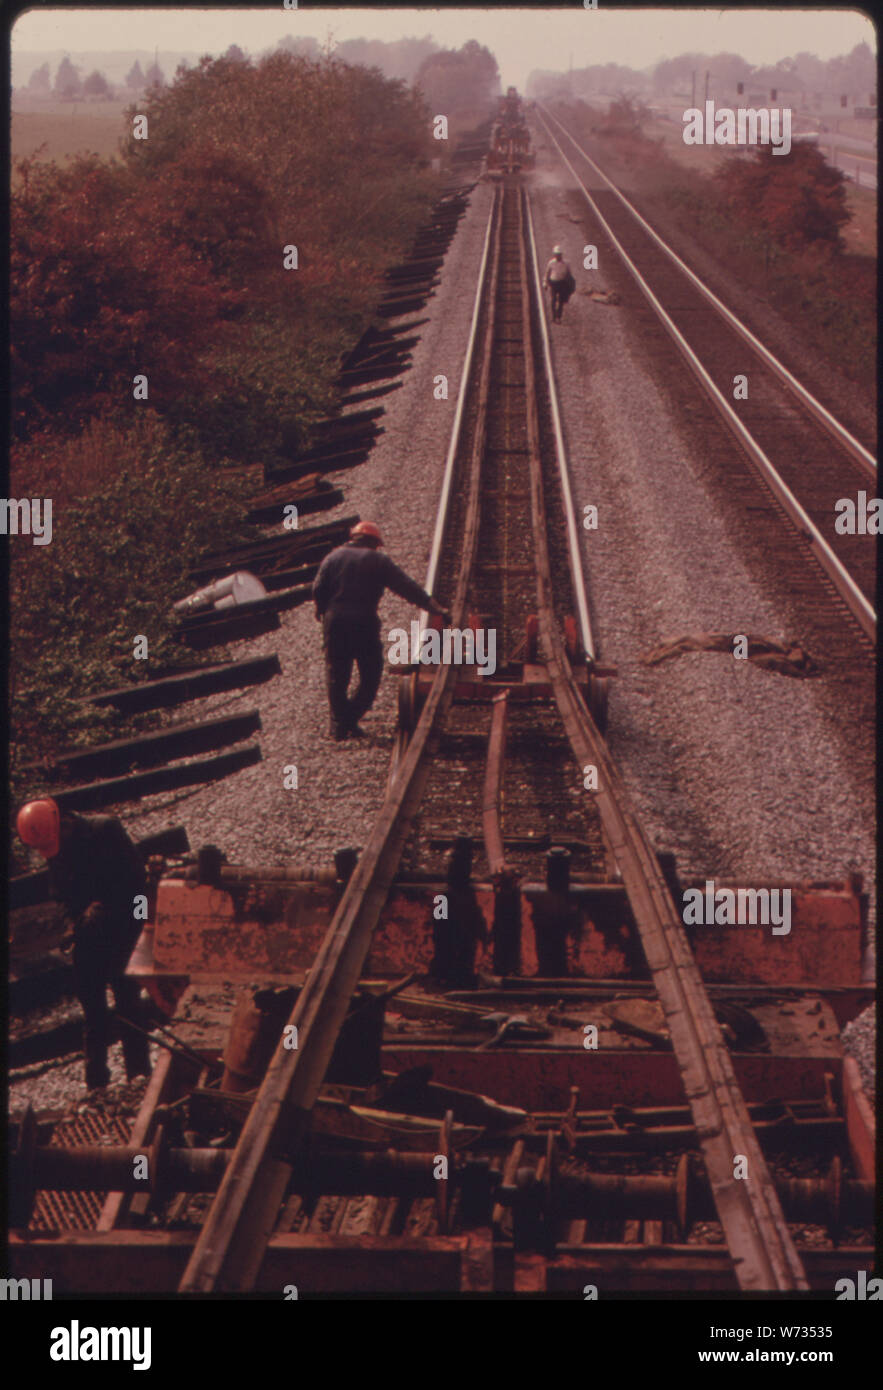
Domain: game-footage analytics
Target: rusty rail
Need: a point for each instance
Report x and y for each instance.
(490, 811)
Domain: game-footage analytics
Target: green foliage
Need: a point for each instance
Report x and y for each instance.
(118, 559)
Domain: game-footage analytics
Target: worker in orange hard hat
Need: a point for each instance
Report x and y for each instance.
(96, 873)
(39, 825)
(347, 589)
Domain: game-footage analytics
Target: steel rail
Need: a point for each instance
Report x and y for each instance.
(846, 586)
(754, 1226)
(856, 450)
(573, 550)
(447, 480)
(493, 783)
(231, 1245)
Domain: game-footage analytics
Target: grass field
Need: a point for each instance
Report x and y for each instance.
(67, 129)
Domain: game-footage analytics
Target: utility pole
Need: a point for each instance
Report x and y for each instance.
(693, 90)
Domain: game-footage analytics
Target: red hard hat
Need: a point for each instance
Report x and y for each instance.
(38, 825)
(366, 528)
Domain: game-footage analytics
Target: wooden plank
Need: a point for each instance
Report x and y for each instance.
(175, 690)
(160, 746)
(238, 628)
(288, 540)
(320, 501)
(329, 463)
(160, 779)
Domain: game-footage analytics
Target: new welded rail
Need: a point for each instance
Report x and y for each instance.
(843, 581)
(231, 1244)
(754, 1225)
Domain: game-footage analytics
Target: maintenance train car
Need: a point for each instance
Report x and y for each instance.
(510, 138)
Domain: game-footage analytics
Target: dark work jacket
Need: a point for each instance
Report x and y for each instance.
(351, 581)
(98, 863)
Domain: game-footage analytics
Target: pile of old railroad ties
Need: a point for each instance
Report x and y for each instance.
(163, 760)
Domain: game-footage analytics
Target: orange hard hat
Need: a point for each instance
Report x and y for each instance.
(39, 825)
(366, 528)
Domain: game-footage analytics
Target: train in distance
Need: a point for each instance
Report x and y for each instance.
(510, 138)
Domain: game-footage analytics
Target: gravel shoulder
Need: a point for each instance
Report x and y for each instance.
(738, 771)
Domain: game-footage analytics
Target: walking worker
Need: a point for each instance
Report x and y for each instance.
(347, 589)
(559, 280)
(96, 872)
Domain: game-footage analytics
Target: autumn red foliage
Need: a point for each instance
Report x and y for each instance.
(797, 200)
(170, 262)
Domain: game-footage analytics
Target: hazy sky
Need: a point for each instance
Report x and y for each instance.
(521, 39)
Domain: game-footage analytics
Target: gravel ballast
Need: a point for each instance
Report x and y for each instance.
(250, 815)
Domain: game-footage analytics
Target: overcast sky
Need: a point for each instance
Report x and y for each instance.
(520, 38)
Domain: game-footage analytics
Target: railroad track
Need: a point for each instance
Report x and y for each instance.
(488, 785)
(803, 455)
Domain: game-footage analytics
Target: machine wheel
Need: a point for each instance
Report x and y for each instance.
(571, 638)
(598, 693)
(407, 707)
(531, 639)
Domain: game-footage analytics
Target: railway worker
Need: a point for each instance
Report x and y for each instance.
(559, 281)
(96, 873)
(347, 589)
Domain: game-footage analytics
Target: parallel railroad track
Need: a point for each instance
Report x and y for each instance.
(805, 457)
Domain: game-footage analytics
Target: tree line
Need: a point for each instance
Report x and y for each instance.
(853, 74)
(69, 84)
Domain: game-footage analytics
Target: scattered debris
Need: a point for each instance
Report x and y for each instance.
(763, 651)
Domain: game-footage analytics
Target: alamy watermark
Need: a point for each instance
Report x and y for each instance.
(732, 907)
(76, 1343)
(25, 1289)
(27, 517)
(452, 646)
(744, 126)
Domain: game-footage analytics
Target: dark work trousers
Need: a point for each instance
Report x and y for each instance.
(557, 290)
(101, 953)
(349, 640)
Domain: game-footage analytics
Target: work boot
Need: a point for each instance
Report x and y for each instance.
(356, 732)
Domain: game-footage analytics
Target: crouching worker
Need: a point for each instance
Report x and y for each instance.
(347, 589)
(96, 873)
